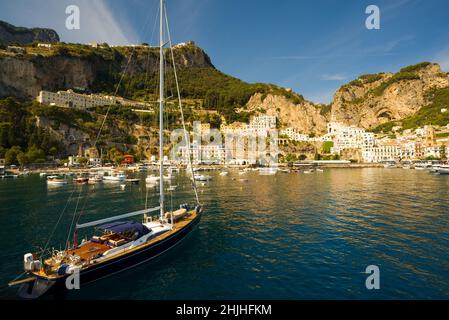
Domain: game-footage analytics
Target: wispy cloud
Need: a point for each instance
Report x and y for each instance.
(442, 58)
(333, 77)
(99, 21)
(335, 56)
(323, 96)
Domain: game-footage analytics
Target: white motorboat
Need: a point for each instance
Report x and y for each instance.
(202, 177)
(56, 181)
(443, 169)
(152, 179)
(224, 173)
(95, 179)
(435, 168)
(115, 177)
(269, 171)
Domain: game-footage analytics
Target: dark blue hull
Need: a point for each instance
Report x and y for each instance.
(42, 286)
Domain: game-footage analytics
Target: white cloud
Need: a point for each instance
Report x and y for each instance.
(324, 96)
(443, 59)
(333, 77)
(99, 22)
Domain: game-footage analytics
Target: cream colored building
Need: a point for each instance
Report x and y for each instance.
(295, 134)
(71, 99)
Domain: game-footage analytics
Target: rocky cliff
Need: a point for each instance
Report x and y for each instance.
(306, 116)
(70, 66)
(374, 99)
(10, 34)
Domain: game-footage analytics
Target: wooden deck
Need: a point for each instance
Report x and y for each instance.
(89, 250)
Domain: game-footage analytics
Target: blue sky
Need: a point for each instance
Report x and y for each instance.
(311, 46)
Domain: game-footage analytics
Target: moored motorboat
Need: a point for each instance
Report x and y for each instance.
(152, 179)
(95, 179)
(443, 169)
(81, 180)
(268, 171)
(56, 181)
(202, 177)
(115, 177)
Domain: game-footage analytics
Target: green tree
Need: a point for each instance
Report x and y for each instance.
(83, 161)
(35, 154)
(443, 152)
(11, 155)
(23, 159)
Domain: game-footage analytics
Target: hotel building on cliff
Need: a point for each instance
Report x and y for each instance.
(71, 99)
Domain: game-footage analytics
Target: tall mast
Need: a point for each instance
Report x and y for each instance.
(161, 108)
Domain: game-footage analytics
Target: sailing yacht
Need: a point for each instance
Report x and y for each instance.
(120, 243)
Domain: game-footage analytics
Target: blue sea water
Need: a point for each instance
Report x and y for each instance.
(288, 236)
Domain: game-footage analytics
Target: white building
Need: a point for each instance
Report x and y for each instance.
(70, 99)
(203, 154)
(44, 45)
(435, 151)
(349, 137)
(380, 153)
(95, 161)
(263, 122)
(295, 135)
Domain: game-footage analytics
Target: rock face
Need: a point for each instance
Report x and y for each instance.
(375, 99)
(10, 34)
(24, 76)
(305, 116)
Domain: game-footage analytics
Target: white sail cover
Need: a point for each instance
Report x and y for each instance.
(126, 215)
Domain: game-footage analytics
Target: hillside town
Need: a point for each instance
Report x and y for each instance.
(341, 142)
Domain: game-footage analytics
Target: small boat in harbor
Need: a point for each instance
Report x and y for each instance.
(422, 165)
(81, 180)
(115, 177)
(435, 168)
(389, 165)
(152, 179)
(202, 177)
(224, 173)
(132, 181)
(268, 171)
(95, 179)
(173, 169)
(56, 181)
(443, 169)
(9, 176)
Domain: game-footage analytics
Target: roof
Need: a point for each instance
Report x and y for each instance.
(124, 226)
